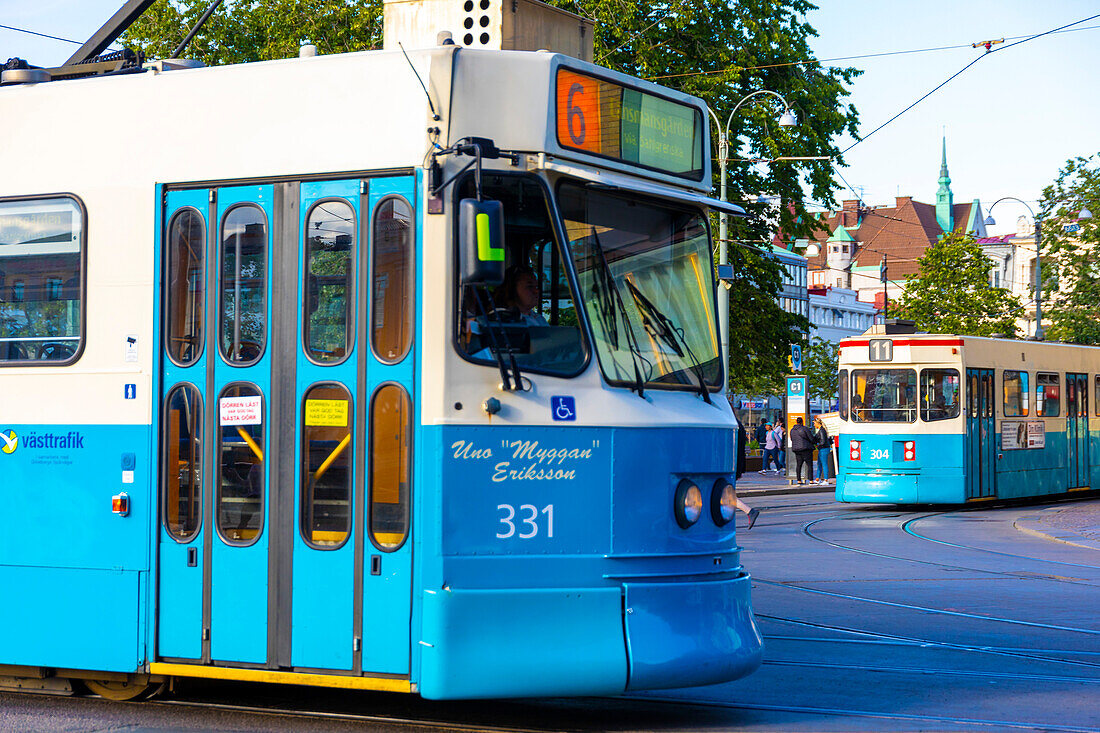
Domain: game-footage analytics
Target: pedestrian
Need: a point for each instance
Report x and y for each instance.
(761, 433)
(769, 449)
(824, 445)
(802, 443)
(780, 444)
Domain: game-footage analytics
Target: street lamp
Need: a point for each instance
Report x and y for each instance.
(1038, 219)
(786, 120)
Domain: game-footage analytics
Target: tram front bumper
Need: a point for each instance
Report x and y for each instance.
(556, 642)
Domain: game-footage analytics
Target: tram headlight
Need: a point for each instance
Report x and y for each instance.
(723, 502)
(688, 504)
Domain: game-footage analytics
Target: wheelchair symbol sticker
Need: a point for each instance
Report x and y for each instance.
(563, 408)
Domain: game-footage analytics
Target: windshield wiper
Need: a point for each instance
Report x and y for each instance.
(658, 325)
(611, 298)
(508, 377)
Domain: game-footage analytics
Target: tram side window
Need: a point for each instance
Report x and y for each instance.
(243, 312)
(41, 280)
(330, 254)
(183, 466)
(533, 313)
(240, 456)
(884, 395)
(186, 278)
(326, 466)
(1047, 395)
(392, 280)
(843, 394)
(939, 394)
(390, 471)
(1014, 385)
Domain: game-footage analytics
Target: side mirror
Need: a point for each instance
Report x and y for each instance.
(481, 242)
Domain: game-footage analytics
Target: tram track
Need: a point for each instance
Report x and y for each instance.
(907, 527)
(922, 642)
(432, 724)
(806, 529)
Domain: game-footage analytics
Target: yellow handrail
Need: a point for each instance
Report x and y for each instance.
(251, 443)
(331, 457)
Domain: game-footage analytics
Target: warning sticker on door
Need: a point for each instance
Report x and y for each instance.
(240, 410)
(326, 413)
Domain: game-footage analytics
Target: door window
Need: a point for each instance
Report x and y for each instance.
(389, 467)
(243, 309)
(392, 279)
(240, 455)
(183, 462)
(329, 284)
(186, 289)
(326, 466)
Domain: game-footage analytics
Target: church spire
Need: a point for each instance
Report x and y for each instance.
(944, 198)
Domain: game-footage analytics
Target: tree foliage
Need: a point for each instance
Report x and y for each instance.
(1070, 259)
(714, 49)
(952, 292)
(820, 364)
(240, 31)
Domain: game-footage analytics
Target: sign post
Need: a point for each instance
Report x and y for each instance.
(797, 406)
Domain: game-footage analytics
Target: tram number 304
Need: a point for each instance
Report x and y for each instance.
(880, 455)
(529, 520)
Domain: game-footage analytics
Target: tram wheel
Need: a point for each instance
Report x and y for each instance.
(133, 688)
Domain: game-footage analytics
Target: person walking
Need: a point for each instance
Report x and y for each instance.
(780, 444)
(769, 449)
(802, 443)
(761, 433)
(824, 445)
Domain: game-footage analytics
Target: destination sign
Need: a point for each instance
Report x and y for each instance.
(610, 120)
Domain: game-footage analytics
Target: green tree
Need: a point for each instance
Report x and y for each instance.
(1070, 265)
(240, 31)
(952, 292)
(714, 49)
(820, 364)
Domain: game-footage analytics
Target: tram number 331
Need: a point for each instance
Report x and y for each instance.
(523, 522)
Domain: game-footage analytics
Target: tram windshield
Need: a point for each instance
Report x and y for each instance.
(883, 395)
(644, 269)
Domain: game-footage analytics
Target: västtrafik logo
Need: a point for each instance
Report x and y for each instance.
(9, 440)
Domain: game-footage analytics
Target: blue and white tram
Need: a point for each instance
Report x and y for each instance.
(266, 415)
(944, 419)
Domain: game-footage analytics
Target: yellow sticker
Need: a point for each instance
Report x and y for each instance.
(326, 413)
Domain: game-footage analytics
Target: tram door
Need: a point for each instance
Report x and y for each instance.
(286, 425)
(1077, 430)
(980, 434)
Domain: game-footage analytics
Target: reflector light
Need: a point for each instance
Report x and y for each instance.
(910, 450)
(854, 449)
(120, 504)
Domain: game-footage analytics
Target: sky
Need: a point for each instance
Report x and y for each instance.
(1011, 120)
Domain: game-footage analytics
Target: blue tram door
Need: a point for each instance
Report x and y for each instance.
(1077, 431)
(980, 434)
(351, 568)
(286, 425)
(214, 453)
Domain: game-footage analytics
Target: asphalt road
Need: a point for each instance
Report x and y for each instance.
(875, 618)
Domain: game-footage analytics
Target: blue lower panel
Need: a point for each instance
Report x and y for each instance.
(690, 634)
(884, 488)
(72, 618)
(519, 643)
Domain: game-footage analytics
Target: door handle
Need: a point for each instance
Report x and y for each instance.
(375, 564)
(192, 557)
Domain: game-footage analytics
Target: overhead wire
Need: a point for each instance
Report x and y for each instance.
(42, 35)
